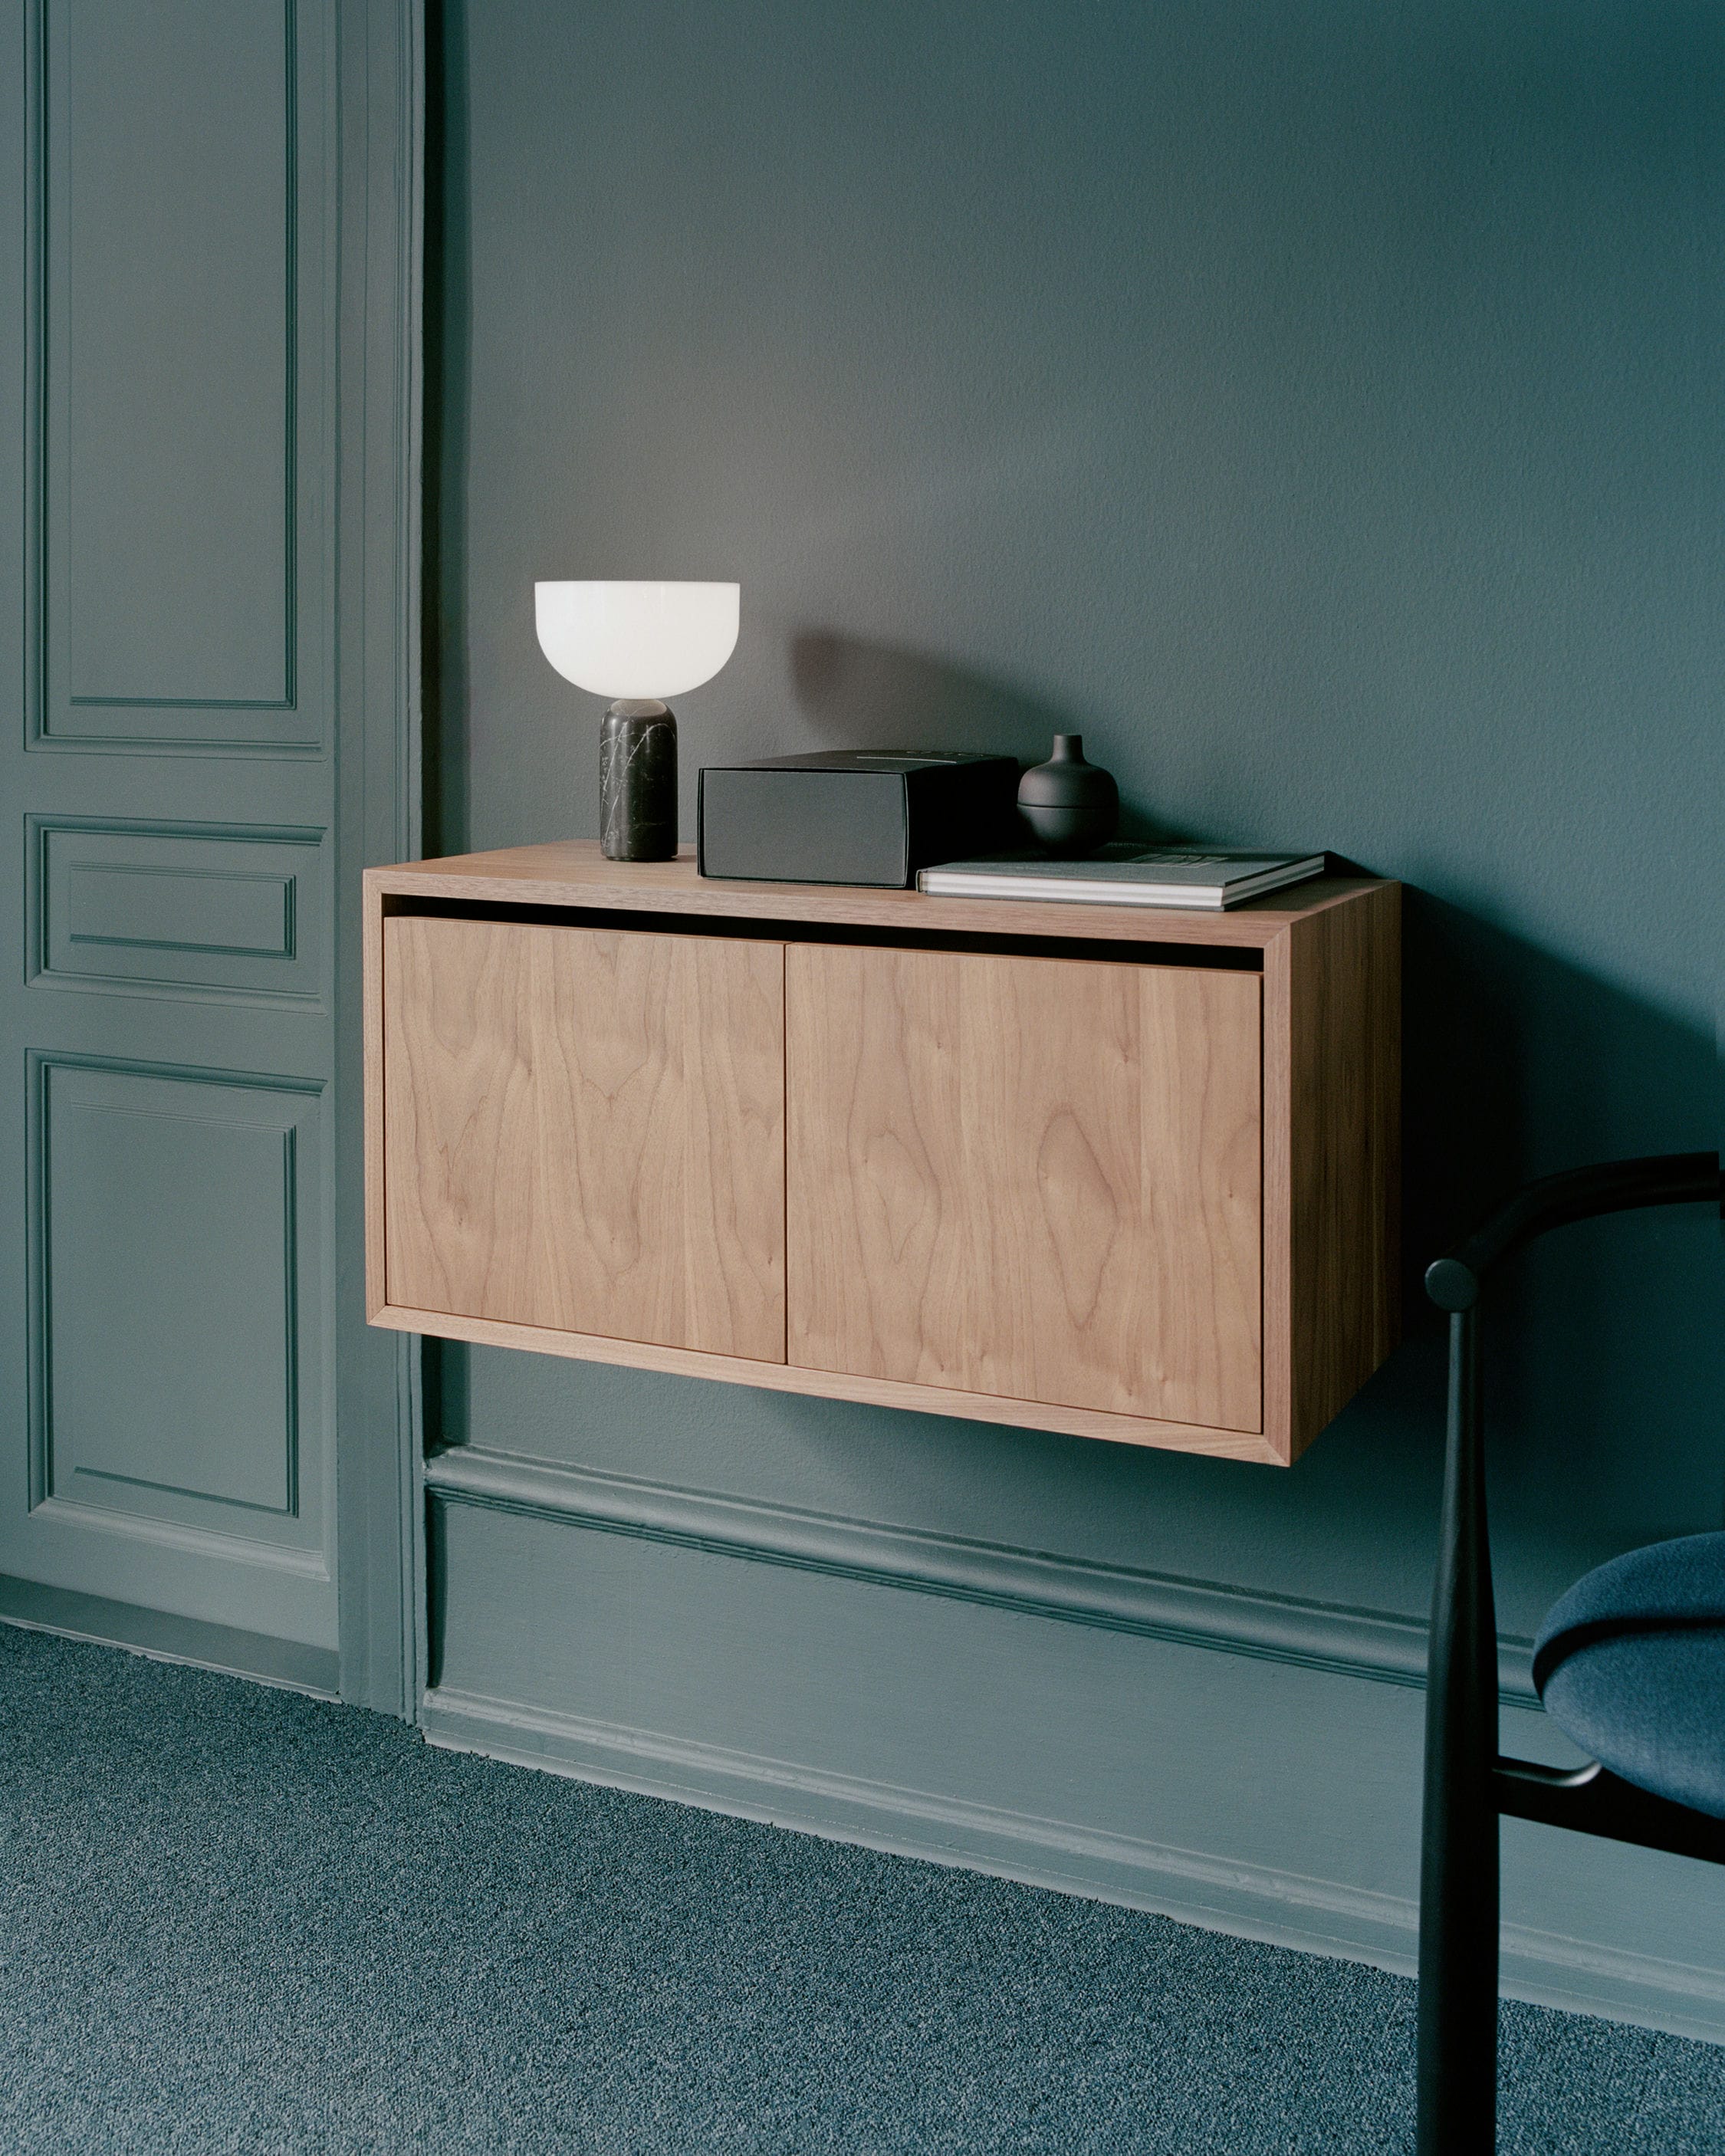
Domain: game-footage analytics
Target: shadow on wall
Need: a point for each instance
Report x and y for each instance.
(1517, 1065)
(858, 695)
(855, 694)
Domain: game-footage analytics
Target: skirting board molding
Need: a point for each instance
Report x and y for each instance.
(1371, 1644)
(1249, 1901)
(162, 1638)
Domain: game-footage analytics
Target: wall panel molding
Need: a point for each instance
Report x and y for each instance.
(229, 549)
(291, 718)
(252, 1494)
(1252, 1901)
(237, 914)
(308, 1564)
(290, 332)
(379, 485)
(1374, 1645)
(33, 465)
(161, 1637)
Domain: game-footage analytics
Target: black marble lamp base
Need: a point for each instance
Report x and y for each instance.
(638, 781)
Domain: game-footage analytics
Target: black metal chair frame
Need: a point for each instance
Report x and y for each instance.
(1469, 1786)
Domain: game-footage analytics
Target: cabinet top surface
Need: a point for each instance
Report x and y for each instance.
(573, 872)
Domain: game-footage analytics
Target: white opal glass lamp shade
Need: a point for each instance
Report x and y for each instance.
(637, 644)
(636, 640)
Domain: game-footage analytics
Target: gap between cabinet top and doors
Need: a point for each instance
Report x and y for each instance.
(1326, 954)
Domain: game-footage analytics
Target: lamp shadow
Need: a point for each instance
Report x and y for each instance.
(875, 696)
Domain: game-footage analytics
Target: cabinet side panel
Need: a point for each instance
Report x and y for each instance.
(372, 960)
(584, 1131)
(1344, 1153)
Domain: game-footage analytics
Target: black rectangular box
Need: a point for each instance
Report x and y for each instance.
(852, 816)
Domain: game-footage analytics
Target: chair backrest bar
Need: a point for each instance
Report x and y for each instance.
(1453, 1281)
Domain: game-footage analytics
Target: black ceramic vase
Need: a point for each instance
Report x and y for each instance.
(1071, 806)
(638, 781)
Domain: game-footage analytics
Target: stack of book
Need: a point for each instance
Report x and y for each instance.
(1124, 874)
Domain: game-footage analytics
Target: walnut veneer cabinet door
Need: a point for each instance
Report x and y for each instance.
(1036, 1177)
(584, 1129)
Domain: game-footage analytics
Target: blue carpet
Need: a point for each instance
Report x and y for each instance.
(237, 1919)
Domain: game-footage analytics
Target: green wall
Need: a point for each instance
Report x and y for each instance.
(1320, 408)
(209, 460)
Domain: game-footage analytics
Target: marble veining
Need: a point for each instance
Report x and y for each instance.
(637, 782)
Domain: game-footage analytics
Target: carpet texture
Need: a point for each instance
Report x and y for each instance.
(237, 1919)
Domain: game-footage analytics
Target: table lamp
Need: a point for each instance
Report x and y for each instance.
(639, 643)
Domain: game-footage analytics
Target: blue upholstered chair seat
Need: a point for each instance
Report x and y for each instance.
(1630, 1663)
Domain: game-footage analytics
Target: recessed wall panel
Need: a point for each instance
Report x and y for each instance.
(177, 1251)
(185, 376)
(219, 912)
(197, 910)
(177, 365)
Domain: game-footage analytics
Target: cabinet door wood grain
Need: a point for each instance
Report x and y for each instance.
(584, 1129)
(1040, 1178)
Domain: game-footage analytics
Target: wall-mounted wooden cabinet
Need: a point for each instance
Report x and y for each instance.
(1126, 1174)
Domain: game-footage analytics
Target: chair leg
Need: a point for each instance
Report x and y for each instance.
(1458, 1985)
(1459, 1866)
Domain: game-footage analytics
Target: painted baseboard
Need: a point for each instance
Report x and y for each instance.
(163, 1638)
(1249, 1901)
(1375, 1645)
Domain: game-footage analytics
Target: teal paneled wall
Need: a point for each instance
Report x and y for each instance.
(210, 457)
(170, 405)
(1321, 409)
